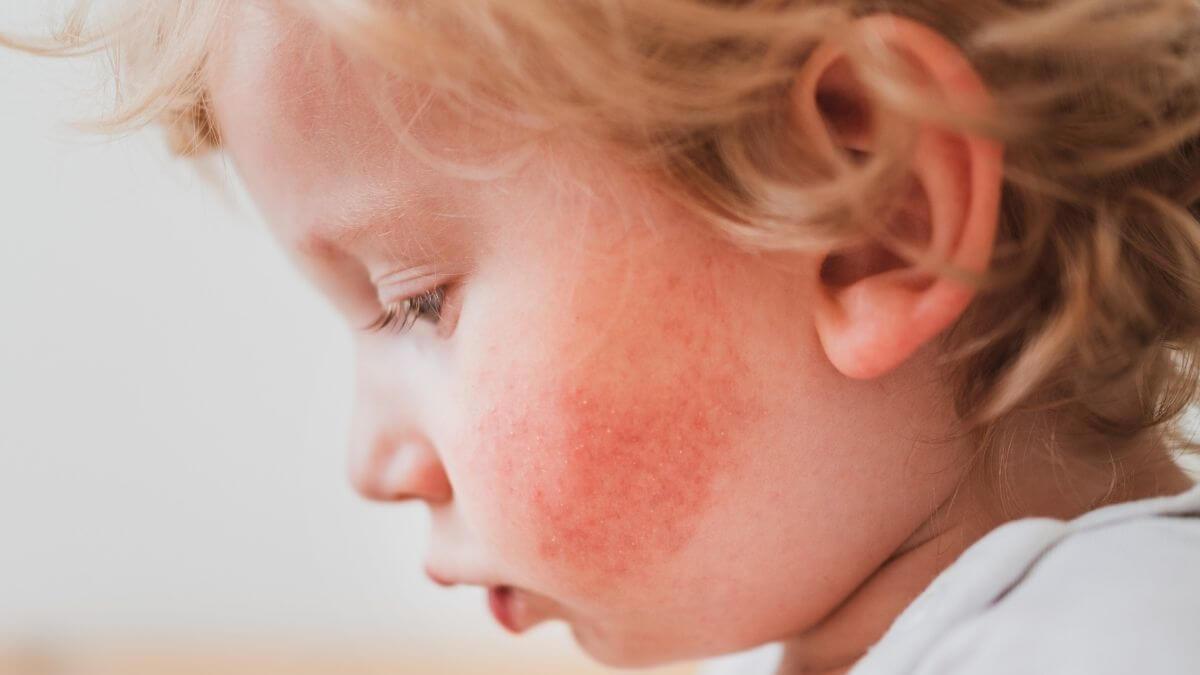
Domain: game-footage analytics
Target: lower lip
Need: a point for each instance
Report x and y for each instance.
(502, 602)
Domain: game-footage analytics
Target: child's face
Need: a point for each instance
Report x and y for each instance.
(629, 422)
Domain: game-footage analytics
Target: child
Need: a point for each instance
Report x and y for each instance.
(861, 327)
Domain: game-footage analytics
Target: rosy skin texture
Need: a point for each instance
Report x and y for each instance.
(629, 421)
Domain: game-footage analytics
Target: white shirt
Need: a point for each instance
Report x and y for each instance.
(1115, 591)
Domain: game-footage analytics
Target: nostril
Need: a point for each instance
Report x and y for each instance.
(418, 472)
(398, 472)
(386, 463)
(405, 470)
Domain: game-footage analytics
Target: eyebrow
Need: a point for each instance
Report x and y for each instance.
(400, 226)
(365, 216)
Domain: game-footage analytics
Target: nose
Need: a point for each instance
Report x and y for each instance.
(398, 467)
(391, 456)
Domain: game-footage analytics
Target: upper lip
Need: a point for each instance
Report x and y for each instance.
(438, 578)
(442, 578)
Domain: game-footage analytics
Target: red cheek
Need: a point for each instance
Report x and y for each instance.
(637, 475)
(610, 475)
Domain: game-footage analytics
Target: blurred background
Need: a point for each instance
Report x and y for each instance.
(173, 406)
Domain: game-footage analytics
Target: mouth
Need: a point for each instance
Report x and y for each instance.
(510, 606)
(502, 601)
(513, 609)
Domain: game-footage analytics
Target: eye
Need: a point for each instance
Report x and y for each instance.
(400, 316)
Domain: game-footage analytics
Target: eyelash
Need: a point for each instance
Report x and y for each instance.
(400, 316)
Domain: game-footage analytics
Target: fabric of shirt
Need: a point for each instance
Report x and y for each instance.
(1115, 591)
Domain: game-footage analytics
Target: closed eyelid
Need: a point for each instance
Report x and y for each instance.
(425, 274)
(398, 285)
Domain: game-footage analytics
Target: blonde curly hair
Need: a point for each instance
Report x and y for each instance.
(1092, 303)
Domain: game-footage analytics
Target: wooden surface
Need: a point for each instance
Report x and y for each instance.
(45, 660)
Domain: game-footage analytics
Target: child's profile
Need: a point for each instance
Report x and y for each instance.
(704, 325)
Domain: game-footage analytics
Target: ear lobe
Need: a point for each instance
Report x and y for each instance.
(876, 308)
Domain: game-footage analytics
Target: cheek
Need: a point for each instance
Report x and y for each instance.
(608, 469)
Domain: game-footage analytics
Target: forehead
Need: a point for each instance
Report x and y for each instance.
(305, 127)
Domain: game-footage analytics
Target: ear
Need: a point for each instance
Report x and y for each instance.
(874, 308)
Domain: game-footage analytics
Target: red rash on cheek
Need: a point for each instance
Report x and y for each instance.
(636, 477)
(609, 469)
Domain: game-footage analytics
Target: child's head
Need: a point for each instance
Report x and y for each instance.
(684, 317)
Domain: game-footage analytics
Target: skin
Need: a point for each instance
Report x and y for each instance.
(628, 421)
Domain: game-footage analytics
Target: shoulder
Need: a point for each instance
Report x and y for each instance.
(1120, 597)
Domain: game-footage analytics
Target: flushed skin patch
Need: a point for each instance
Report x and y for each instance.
(614, 462)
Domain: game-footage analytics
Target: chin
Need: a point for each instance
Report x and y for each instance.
(617, 651)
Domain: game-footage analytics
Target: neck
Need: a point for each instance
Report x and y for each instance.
(1061, 484)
